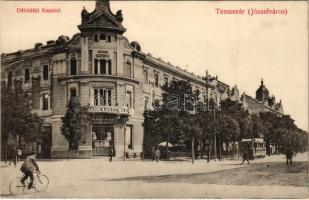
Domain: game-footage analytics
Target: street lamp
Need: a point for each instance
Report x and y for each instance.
(215, 135)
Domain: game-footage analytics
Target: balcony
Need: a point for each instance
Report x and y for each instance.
(112, 110)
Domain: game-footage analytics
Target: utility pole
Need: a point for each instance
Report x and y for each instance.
(207, 107)
(124, 140)
(215, 136)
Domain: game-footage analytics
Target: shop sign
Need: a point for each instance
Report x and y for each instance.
(102, 54)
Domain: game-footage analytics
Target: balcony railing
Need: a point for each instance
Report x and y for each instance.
(112, 110)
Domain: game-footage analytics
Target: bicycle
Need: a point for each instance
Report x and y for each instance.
(40, 184)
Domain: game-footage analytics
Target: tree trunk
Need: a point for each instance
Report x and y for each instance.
(192, 150)
(6, 152)
(209, 150)
(220, 153)
(226, 149)
(167, 141)
(233, 149)
(68, 153)
(220, 150)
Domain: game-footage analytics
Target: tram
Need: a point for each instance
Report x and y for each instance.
(256, 147)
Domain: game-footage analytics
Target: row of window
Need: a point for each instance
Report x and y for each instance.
(102, 37)
(27, 75)
(103, 97)
(156, 78)
(102, 66)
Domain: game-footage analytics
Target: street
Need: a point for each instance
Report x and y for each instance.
(98, 178)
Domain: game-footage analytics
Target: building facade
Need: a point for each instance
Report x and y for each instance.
(103, 69)
(114, 77)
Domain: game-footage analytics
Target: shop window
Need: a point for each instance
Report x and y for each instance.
(102, 139)
(45, 72)
(102, 97)
(27, 75)
(129, 136)
(10, 78)
(73, 64)
(45, 102)
(145, 75)
(156, 79)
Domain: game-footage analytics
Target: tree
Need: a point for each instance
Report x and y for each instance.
(236, 111)
(228, 131)
(171, 115)
(76, 123)
(17, 121)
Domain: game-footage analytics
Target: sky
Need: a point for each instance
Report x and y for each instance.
(239, 49)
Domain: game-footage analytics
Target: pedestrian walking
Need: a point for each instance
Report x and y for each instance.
(157, 154)
(245, 157)
(111, 154)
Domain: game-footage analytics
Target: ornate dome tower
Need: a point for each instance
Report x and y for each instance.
(262, 94)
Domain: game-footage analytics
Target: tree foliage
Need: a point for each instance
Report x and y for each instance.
(16, 116)
(182, 119)
(76, 123)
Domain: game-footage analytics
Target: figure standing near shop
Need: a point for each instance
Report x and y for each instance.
(111, 154)
(19, 154)
(157, 154)
(245, 157)
(12, 155)
(153, 153)
(289, 155)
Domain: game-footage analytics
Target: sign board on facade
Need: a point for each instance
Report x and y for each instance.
(102, 54)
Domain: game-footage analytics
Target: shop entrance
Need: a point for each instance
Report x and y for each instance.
(102, 139)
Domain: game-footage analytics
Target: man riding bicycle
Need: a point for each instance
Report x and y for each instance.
(28, 166)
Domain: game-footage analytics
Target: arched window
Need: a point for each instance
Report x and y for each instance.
(102, 36)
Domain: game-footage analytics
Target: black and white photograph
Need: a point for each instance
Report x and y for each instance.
(154, 99)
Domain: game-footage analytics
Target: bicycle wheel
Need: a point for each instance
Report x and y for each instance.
(41, 183)
(16, 187)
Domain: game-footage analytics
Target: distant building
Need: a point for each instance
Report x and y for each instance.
(262, 102)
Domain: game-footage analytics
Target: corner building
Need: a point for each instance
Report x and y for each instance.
(103, 69)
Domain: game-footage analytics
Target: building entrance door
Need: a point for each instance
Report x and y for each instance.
(102, 139)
